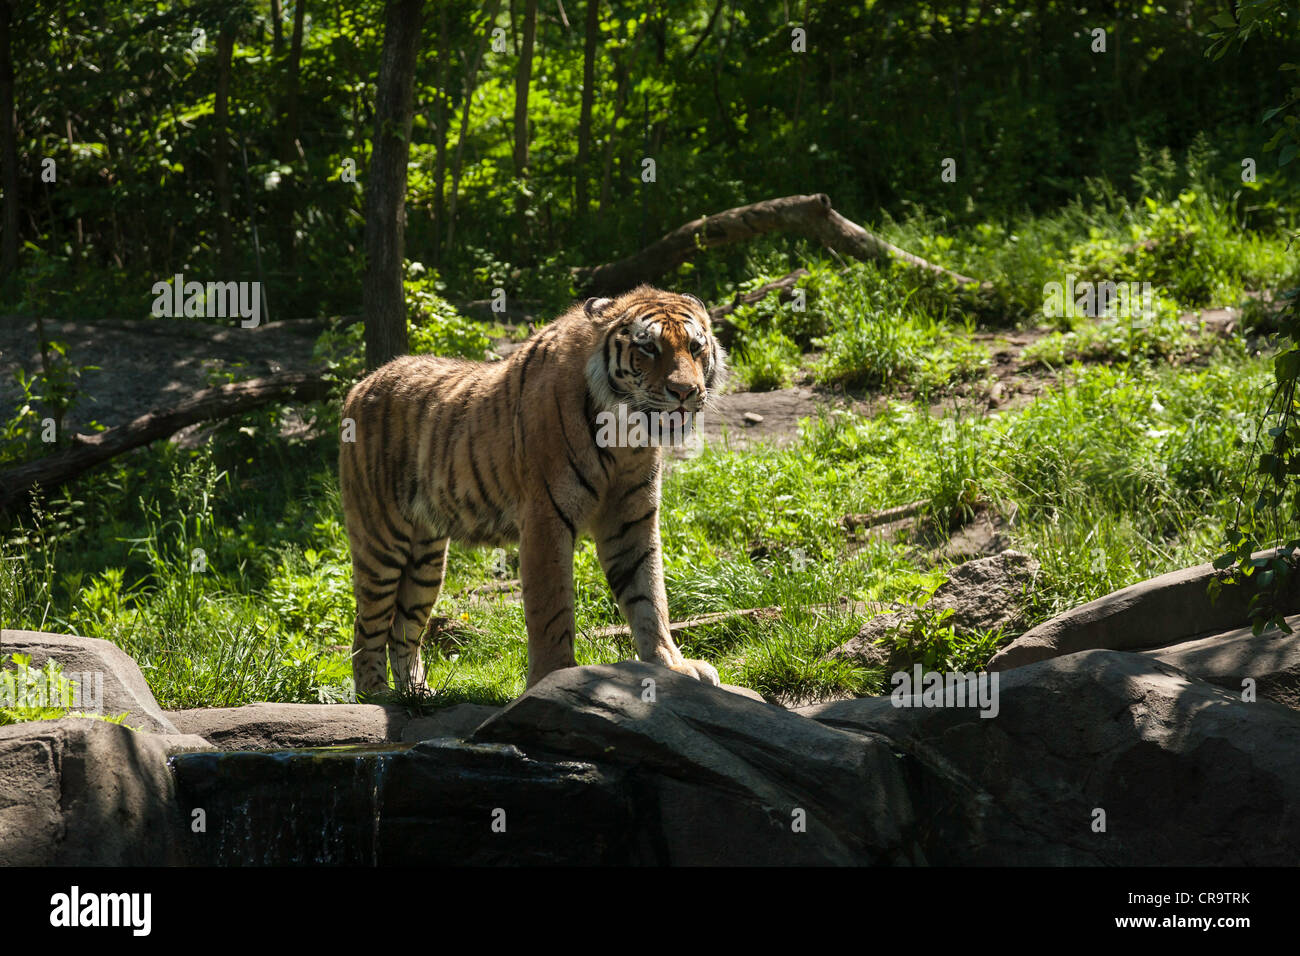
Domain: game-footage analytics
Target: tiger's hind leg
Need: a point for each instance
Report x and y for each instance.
(376, 573)
(416, 593)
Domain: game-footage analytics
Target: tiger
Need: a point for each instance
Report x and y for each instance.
(516, 450)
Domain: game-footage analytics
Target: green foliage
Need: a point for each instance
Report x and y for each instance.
(766, 361)
(887, 333)
(714, 95)
(927, 637)
(1115, 474)
(1124, 340)
(30, 693)
(436, 327)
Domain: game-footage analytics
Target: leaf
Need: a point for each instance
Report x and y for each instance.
(1287, 365)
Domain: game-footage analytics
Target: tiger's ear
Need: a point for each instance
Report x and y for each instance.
(593, 306)
(687, 295)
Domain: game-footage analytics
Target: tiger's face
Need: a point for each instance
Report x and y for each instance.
(658, 353)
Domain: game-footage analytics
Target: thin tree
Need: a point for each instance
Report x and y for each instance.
(383, 301)
(287, 146)
(221, 146)
(8, 142)
(523, 77)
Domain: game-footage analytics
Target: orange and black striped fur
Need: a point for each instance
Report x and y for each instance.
(492, 452)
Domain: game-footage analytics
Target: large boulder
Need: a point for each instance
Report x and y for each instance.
(85, 792)
(1179, 772)
(983, 595)
(457, 721)
(93, 663)
(1271, 660)
(1163, 610)
(266, 726)
(731, 780)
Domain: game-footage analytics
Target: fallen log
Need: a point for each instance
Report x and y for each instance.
(810, 216)
(856, 522)
(223, 401)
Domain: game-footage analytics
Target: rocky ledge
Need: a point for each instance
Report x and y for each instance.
(1174, 747)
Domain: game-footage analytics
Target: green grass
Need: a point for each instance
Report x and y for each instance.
(225, 571)
(1117, 474)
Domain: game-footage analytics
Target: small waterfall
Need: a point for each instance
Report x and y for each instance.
(320, 806)
(406, 804)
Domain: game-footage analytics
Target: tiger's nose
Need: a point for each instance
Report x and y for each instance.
(681, 392)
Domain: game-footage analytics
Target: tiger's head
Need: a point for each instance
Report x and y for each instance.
(657, 353)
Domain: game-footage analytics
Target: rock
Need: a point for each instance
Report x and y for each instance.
(86, 792)
(734, 780)
(982, 536)
(457, 721)
(744, 692)
(752, 418)
(124, 687)
(988, 593)
(1272, 660)
(1163, 610)
(266, 726)
(983, 595)
(1185, 772)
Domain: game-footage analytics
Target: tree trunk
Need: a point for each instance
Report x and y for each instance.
(221, 147)
(580, 173)
(8, 143)
(439, 123)
(277, 29)
(384, 304)
(223, 401)
(809, 216)
(523, 76)
(287, 148)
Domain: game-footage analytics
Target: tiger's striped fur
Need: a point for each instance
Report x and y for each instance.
(492, 452)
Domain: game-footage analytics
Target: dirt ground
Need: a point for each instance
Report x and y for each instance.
(153, 363)
(149, 363)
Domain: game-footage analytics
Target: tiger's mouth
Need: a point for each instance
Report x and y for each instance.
(681, 408)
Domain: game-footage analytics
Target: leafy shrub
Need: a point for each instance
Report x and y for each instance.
(44, 693)
(767, 362)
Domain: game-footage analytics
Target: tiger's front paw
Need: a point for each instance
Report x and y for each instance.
(702, 671)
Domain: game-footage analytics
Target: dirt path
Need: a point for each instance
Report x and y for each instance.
(151, 363)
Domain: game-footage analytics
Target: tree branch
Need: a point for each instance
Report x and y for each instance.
(808, 216)
(223, 401)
